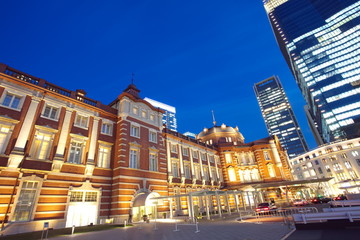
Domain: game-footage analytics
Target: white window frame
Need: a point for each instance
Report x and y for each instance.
(175, 169)
(107, 128)
(41, 145)
(81, 147)
(187, 171)
(18, 106)
(152, 136)
(135, 131)
(134, 158)
(153, 161)
(79, 121)
(5, 134)
(104, 155)
(174, 148)
(52, 108)
(185, 151)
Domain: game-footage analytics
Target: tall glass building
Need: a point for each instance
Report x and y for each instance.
(320, 41)
(279, 116)
(169, 118)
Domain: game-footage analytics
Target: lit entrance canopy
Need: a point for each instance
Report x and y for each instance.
(289, 183)
(200, 194)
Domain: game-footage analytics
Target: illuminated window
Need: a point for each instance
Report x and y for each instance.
(353, 174)
(144, 114)
(197, 172)
(228, 158)
(206, 173)
(5, 133)
(26, 201)
(135, 110)
(152, 117)
(103, 160)
(355, 153)
(337, 167)
(231, 173)
(76, 152)
(347, 164)
(41, 146)
(271, 170)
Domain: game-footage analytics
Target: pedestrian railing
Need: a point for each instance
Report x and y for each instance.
(186, 221)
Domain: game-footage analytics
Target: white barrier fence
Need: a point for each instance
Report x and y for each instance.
(187, 221)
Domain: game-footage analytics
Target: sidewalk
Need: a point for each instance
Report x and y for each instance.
(227, 229)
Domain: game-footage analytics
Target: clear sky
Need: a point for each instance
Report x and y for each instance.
(197, 56)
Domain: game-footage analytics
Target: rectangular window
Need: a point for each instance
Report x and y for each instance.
(153, 164)
(76, 150)
(174, 148)
(4, 137)
(228, 158)
(41, 146)
(347, 164)
(197, 172)
(320, 170)
(152, 117)
(358, 161)
(26, 201)
(106, 128)
(81, 121)
(267, 156)
(103, 160)
(337, 167)
(152, 136)
(90, 196)
(134, 158)
(175, 169)
(195, 154)
(135, 110)
(353, 175)
(11, 101)
(50, 112)
(187, 171)
(144, 114)
(327, 167)
(214, 175)
(206, 174)
(135, 131)
(76, 196)
(185, 151)
(211, 159)
(203, 157)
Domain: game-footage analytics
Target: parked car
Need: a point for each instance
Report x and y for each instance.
(300, 202)
(341, 197)
(317, 200)
(265, 208)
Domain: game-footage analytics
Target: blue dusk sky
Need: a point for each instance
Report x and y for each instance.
(197, 56)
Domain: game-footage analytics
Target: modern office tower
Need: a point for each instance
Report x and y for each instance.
(169, 118)
(279, 116)
(321, 44)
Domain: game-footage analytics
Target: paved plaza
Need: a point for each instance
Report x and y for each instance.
(221, 229)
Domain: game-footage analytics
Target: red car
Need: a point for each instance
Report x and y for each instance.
(265, 208)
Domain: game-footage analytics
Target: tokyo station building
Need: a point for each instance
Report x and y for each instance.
(70, 160)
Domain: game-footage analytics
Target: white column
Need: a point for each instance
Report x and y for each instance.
(181, 161)
(17, 154)
(168, 153)
(218, 202)
(63, 134)
(192, 164)
(227, 203)
(171, 208)
(275, 153)
(207, 201)
(92, 147)
(236, 197)
(27, 125)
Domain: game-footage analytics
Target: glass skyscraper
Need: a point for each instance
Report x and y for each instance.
(320, 41)
(169, 118)
(279, 116)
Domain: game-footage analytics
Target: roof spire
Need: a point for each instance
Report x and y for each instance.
(213, 116)
(132, 78)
